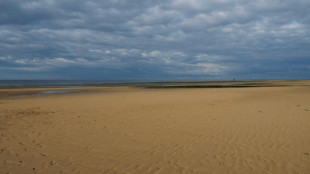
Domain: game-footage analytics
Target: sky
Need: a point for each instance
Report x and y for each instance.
(155, 39)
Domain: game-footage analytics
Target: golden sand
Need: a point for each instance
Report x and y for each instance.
(165, 131)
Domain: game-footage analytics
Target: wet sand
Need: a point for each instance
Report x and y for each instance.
(132, 130)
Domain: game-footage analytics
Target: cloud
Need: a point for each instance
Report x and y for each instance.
(198, 69)
(220, 38)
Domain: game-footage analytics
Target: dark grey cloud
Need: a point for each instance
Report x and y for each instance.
(217, 39)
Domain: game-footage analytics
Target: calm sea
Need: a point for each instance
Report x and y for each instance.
(58, 83)
(90, 83)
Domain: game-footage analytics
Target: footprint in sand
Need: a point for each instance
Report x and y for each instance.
(52, 163)
(43, 154)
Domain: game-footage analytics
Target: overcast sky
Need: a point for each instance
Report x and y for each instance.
(155, 39)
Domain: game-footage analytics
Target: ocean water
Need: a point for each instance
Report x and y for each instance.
(91, 83)
(58, 83)
(58, 91)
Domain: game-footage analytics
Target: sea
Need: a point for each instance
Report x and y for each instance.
(61, 83)
(96, 83)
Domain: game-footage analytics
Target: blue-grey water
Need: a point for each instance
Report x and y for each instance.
(58, 91)
(58, 83)
(88, 83)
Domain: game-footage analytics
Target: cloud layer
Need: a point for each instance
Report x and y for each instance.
(144, 39)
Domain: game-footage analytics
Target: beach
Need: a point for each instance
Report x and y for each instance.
(130, 130)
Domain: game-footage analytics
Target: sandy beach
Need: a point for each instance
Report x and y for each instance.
(127, 130)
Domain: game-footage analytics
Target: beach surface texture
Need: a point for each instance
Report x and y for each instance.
(129, 130)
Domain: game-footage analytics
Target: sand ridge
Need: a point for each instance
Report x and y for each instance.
(248, 130)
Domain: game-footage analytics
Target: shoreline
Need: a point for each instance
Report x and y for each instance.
(41, 92)
(7, 92)
(21, 84)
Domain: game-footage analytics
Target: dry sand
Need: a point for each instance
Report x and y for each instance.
(164, 131)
